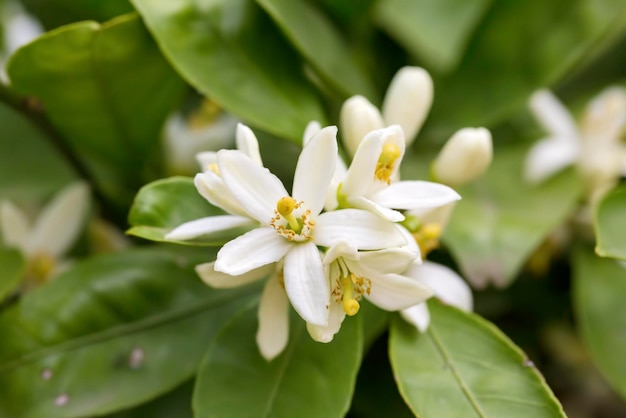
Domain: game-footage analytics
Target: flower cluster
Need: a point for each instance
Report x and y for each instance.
(341, 235)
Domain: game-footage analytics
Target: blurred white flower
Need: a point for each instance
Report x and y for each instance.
(595, 146)
(206, 129)
(45, 242)
(406, 103)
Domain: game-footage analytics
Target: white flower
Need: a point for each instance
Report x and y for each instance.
(594, 146)
(464, 157)
(44, 243)
(19, 27)
(444, 283)
(407, 102)
(367, 184)
(375, 275)
(211, 186)
(291, 227)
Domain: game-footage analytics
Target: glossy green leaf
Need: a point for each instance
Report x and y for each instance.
(321, 44)
(610, 225)
(107, 89)
(436, 31)
(11, 269)
(230, 51)
(63, 12)
(499, 70)
(464, 367)
(599, 289)
(501, 219)
(110, 333)
(175, 404)
(308, 379)
(35, 169)
(162, 205)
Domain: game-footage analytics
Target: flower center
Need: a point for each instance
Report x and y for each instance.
(386, 162)
(292, 221)
(40, 268)
(349, 289)
(427, 237)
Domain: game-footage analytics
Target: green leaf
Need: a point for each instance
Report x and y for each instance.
(501, 219)
(230, 51)
(435, 31)
(107, 89)
(110, 333)
(609, 224)
(499, 70)
(321, 44)
(35, 169)
(164, 204)
(175, 404)
(465, 367)
(599, 289)
(62, 12)
(308, 379)
(12, 266)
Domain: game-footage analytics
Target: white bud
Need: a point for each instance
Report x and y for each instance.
(358, 117)
(408, 100)
(464, 157)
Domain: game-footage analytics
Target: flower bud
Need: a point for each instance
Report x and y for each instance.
(464, 157)
(358, 117)
(408, 100)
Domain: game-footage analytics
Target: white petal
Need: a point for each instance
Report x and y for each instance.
(306, 284)
(60, 222)
(325, 334)
(14, 226)
(605, 117)
(389, 260)
(553, 116)
(361, 172)
(415, 195)
(394, 292)
(549, 156)
(315, 169)
(273, 333)
(380, 210)
(345, 249)
(358, 117)
(408, 100)
(207, 226)
(254, 249)
(364, 230)
(310, 131)
(445, 283)
(212, 188)
(254, 187)
(340, 174)
(248, 144)
(411, 244)
(220, 280)
(464, 157)
(440, 215)
(417, 315)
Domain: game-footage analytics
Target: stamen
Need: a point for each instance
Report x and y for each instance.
(386, 162)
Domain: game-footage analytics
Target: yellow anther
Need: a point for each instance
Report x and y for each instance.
(350, 304)
(431, 231)
(386, 162)
(205, 115)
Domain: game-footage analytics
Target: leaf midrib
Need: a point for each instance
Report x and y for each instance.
(148, 323)
(455, 372)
